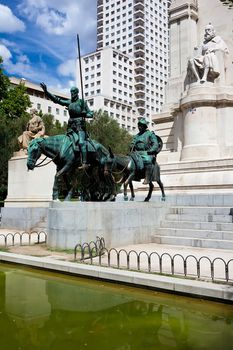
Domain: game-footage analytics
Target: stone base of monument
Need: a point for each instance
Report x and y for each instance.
(119, 223)
(203, 176)
(29, 188)
(29, 194)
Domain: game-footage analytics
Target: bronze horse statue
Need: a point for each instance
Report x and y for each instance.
(60, 150)
(126, 167)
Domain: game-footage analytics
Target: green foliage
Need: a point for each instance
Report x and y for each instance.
(13, 118)
(4, 82)
(52, 126)
(16, 102)
(107, 131)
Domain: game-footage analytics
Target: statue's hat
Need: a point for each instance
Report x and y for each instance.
(142, 121)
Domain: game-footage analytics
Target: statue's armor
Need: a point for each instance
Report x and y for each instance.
(76, 131)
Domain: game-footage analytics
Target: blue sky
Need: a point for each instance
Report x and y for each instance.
(38, 38)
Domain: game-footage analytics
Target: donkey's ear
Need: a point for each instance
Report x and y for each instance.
(110, 152)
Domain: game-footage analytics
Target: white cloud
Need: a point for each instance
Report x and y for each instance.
(67, 68)
(5, 53)
(60, 17)
(9, 23)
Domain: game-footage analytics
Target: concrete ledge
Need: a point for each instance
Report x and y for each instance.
(138, 279)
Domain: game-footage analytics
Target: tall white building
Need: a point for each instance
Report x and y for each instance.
(132, 49)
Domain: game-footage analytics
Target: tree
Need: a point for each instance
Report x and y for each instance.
(52, 126)
(107, 131)
(13, 118)
(4, 82)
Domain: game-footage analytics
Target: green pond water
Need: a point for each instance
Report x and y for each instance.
(43, 310)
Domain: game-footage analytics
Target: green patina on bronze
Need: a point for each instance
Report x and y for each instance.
(78, 112)
(140, 163)
(92, 183)
(144, 145)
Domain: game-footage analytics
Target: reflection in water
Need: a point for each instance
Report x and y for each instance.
(49, 311)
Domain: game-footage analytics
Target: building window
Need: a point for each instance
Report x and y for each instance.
(49, 109)
(65, 112)
(38, 106)
(57, 111)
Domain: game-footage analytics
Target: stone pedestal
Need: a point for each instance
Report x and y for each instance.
(70, 223)
(29, 188)
(206, 111)
(29, 195)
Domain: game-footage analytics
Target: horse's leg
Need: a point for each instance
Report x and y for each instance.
(159, 182)
(148, 197)
(55, 189)
(69, 188)
(126, 183)
(64, 170)
(132, 191)
(125, 191)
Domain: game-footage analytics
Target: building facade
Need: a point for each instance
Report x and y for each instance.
(40, 102)
(132, 43)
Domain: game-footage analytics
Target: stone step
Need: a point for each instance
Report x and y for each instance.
(212, 199)
(193, 242)
(197, 225)
(200, 210)
(200, 234)
(200, 218)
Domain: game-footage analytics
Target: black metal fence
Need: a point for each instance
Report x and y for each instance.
(190, 266)
(89, 250)
(22, 238)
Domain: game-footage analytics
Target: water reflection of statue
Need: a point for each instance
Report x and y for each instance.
(205, 65)
(35, 128)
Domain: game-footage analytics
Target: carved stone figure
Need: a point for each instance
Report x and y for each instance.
(206, 64)
(78, 111)
(35, 128)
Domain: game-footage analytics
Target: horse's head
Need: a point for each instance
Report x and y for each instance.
(34, 152)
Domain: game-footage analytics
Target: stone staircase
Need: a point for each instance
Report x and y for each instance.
(197, 226)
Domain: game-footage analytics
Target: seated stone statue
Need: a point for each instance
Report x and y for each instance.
(143, 148)
(35, 128)
(205, 65)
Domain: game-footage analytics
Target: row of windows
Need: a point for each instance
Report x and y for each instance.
(93, 92)
(91, 85)
(50, 111)
(119, 33)
(120, 58)
(121, 84)
(92, 58)
(120, 92)
(126, 77)
(120, 67)
(118, 106)
(93, 67)
(92, 76)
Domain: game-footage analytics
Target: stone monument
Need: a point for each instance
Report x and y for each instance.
(196, 121)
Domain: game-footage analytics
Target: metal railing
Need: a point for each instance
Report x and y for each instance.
(23, 238)
(90, 250)
(190, 266)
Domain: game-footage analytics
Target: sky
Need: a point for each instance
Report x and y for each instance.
(38, 39)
